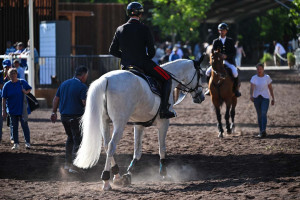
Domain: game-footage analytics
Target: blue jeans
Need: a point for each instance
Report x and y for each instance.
(72, 128)
(261, 105)
(14, 120)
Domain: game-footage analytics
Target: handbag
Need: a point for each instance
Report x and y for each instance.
(31, 100)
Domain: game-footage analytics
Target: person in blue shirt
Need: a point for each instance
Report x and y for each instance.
(20, 49)
(21, 71)
(71, 97)
(10, 48)
(13, 103)
(174, 55)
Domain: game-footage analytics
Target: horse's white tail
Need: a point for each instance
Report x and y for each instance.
(90, 148)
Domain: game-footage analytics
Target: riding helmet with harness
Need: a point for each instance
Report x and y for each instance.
(134, 9)
(223, 26)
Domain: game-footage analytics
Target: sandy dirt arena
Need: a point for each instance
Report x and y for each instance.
(200, 165)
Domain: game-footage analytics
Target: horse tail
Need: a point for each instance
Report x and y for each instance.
(91, 123)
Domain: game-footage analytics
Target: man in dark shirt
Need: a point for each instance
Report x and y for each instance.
(226, 46)
(71, 97)
(133, 43)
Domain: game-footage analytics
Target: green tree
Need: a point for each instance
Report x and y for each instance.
(181, 17)
(295, 13)
(276, 25)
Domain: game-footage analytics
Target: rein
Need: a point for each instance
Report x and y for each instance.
(186, 88)
(222, 76)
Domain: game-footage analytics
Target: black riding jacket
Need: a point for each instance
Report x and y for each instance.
(228, 48)
(133, 43)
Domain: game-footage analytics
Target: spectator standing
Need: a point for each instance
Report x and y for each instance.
(260, 91)
(174, 55)
(280, 52)
(197, 51)
(21, 72)
(71, 97)
(20, 49)
(6, 66)
(27, 51)
(158, 53)
(14, 103)
(165, 58)
(179, 50)
(239, 53)
(187, 50)
(9, 48)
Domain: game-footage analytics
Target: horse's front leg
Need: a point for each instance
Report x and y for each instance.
(227, 116)
(220, 128)
(163, 126)
(232, 113)
(138, 135)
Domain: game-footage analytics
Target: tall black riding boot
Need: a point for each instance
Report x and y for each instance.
(164, 106)
(207, 90)
(236, 87)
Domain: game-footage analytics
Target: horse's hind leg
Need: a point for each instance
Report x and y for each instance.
(138, 134)
(111, 148)
(105, 130)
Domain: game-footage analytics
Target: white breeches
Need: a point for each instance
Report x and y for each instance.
(232, 67)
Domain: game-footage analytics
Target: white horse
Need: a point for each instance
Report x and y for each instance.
(120, 96)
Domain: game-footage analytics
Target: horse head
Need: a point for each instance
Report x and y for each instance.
(189, 79)
(217, 64)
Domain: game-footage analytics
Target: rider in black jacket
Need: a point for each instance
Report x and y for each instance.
(226, 46)
(133, 43)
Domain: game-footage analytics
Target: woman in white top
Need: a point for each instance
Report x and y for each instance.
(260, 91)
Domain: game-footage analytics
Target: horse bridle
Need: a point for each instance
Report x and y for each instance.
(222, 75)
(186, 88)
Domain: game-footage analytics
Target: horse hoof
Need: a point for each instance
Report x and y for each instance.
(106, 187)
(229, 131)
(220, 135)
(166, 178)
(232, 128)
(118, 181)
(126, 179)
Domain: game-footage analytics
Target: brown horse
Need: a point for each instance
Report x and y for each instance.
(220, 86)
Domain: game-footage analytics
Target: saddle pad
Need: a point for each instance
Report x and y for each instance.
(154, 86)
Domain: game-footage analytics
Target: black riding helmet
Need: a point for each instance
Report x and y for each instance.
(134, 9)
(223, 26)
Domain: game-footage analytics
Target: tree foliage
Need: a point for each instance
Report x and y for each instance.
(276, 25)
(295, 13)
(181, 17)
